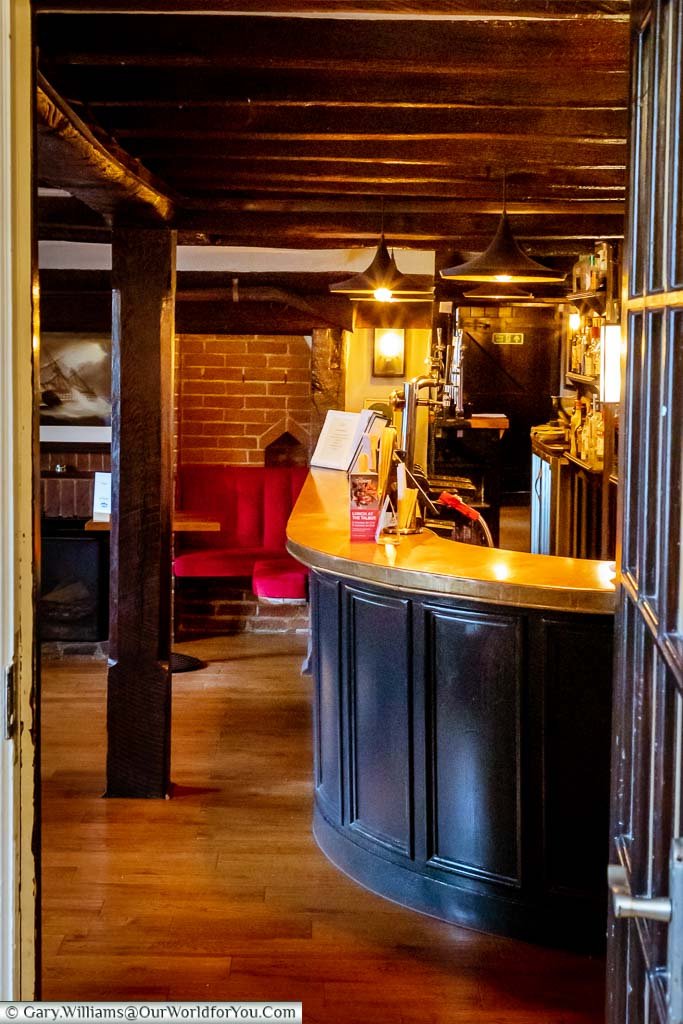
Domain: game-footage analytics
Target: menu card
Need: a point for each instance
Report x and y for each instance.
(340, 437)
(101, 503)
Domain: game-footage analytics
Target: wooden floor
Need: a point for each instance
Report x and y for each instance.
(221, 893)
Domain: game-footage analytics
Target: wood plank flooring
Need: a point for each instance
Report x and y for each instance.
(221, 892)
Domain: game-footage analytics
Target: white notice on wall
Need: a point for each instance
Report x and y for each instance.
(101, 502)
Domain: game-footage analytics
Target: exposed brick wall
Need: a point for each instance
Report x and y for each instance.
(224, 607)
(236, 394)
(69, 495)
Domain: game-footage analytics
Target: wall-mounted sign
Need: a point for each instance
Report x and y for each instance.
(508, 339)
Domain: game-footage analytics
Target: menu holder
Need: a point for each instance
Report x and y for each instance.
(341, 437)
(101, 499)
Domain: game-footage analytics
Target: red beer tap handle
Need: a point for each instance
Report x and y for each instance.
(453, 501)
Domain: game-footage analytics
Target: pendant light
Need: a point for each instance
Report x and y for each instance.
(504, 261)
(498, 292)
(383, 281)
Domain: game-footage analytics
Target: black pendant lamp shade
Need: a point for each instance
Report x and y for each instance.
(496, 291)
(504, 261)
(384, 282)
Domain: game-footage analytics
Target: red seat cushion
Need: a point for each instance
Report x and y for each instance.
(219, 561)
(280, 578)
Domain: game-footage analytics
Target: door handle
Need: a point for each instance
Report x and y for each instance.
(661, 908)
(626, 905)
(658, 909)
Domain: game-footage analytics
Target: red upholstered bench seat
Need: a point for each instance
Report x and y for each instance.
(252, 504)
(280, 579)
(220, 561)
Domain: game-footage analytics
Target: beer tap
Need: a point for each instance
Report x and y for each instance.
(445, 380)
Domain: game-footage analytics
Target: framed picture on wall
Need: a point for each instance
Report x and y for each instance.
(75, 388)
(389, 352)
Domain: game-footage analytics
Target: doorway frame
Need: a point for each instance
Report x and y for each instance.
(19, 780)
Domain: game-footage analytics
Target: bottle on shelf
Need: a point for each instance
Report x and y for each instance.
(574, 428)
(587, 367)
(600, 437)
(584, 445)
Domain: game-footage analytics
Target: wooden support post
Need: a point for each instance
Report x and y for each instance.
(139, 682)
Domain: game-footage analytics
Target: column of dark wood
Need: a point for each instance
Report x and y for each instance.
(139, 682)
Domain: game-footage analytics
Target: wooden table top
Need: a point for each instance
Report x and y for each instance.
(183, 522)
(318, 535)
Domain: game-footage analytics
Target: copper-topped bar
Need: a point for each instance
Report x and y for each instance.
(462, 717)
(318, 535)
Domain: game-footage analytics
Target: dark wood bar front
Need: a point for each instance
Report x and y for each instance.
(462, 719)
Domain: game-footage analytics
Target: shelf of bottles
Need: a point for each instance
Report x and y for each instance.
(594, 292)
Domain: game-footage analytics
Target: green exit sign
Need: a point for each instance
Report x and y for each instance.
(508, 339)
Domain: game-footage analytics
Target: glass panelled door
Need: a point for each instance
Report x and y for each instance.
(645, 981)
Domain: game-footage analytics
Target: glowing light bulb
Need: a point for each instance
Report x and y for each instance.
(502, 277)
(574, 322)
(383, 295)
(391, 345)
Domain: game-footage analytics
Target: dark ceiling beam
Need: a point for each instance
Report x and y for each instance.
(563, 251)
(465, 84)
(351, 63)
(534, 9)
(57, 211)
(308, 186)
(480, 154)
(71, 157)
(360, 120)
(319, 308)
(289, 190)
(416, 48)
(208, 299)
(419, 230)
(459, 169)
(520, 212)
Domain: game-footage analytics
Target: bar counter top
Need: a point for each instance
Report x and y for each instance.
(318, 536)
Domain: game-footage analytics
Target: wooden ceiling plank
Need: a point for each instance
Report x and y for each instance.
(247, 121)
(489, 156)
(416, 47)
(520, 211)
(565, 89)
(409, 228)
(531, 9)
(385, 189)
(461, 168)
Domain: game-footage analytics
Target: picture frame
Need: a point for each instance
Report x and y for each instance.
(389, 352)
(75, 388)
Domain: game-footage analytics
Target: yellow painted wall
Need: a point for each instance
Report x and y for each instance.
(361, 385)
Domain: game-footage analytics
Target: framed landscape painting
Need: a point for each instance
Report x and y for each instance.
(75, 388)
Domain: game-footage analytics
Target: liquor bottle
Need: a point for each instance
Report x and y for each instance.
(584, 446)
(600, 438)
(574, 428)
(587, 368)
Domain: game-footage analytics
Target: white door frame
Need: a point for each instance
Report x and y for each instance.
(18, 785)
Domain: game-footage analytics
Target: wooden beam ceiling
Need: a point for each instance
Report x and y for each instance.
(295, 131)
(90, 171)
(571, 10)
